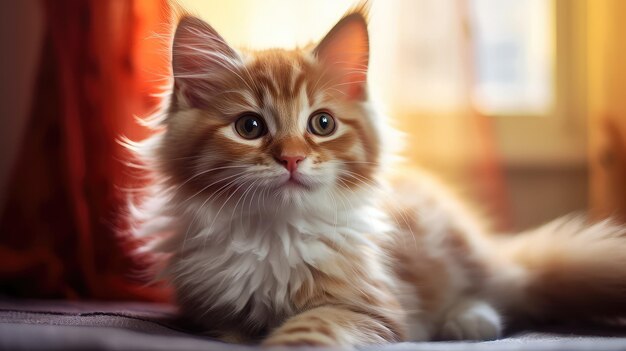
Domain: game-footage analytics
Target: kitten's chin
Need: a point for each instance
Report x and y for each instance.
(296, 189)
(297, 183)
(293, 190)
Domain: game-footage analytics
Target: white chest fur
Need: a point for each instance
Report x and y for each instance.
(259, 262)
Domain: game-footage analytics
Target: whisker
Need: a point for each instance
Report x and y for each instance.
(205, 172)
(226, 186)
(222, 207)
(243, 196)
(210, 185)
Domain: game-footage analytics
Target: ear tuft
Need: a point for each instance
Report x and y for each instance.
(199, 56)
(345, 51)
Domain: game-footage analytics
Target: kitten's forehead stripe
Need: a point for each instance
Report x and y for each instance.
(297, 85)
(283, 70)
(278, 77)
(266, 86)
(273, 71)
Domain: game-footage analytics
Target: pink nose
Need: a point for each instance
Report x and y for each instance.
(290, 162)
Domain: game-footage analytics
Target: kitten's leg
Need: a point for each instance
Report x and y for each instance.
(471, 320)
(333, 326)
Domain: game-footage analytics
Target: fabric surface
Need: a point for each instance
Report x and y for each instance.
(63, 325)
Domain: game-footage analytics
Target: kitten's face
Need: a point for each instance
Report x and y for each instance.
(273, 124)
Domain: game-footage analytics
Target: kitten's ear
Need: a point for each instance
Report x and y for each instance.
(200, 57)
(345, 51)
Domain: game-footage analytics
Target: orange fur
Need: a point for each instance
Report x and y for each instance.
(352, 254)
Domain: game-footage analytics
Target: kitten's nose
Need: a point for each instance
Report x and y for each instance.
(290, 162)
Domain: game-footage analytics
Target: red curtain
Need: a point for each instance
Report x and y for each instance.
(63, 223)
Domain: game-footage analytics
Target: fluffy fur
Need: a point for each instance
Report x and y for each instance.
(342, 251)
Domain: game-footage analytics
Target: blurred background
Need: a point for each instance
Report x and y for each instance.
(518, 104)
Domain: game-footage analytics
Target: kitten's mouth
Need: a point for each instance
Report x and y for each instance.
(295, 181)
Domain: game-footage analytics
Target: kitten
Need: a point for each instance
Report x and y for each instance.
(282, 222)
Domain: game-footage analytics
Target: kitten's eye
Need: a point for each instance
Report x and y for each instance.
(322, 124)
(250, 126)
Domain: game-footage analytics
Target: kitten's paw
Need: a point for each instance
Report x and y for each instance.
(471, 320)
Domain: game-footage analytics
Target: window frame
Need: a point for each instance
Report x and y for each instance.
(557, 138)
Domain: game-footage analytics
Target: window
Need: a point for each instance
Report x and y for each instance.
(513, 44)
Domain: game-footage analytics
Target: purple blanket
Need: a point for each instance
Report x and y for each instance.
(64, 325)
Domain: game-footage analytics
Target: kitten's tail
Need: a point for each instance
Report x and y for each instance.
(567, 268)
